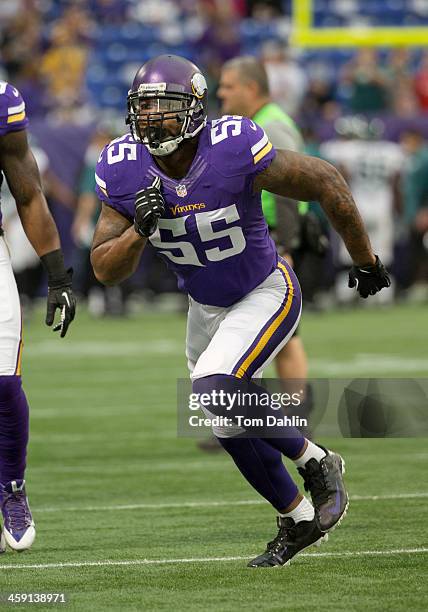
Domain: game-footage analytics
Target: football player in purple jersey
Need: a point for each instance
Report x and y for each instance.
(192, 188)
(18, 165)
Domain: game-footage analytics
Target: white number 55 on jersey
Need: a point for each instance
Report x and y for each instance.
(204, 223)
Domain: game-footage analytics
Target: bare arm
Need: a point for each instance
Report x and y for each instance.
(22, 175)
(307, 178)
(116, 248)
(86, 207)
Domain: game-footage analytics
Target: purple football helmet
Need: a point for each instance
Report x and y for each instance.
(167, 103)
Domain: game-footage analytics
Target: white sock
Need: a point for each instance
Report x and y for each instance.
(303, 512)
(312, 452)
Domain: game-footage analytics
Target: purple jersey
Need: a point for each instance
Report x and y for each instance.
(213, 234)
(12, 113)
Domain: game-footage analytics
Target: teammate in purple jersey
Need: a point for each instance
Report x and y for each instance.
(192, 188)
(17, 164)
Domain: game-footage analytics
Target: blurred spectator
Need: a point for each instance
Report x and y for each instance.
(79, 23)
(398, 68)
(404, 103)
(219, 42)
(403, 100)
(21, 45)
(415, 177)
(319, 102)
(20, 41)
(63, 65)
(421, 83)
(367, 83)
(101, 300)
(371, 166)
(265, 10)
(287, 80)
(415, 210)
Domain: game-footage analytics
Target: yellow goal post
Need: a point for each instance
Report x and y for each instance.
(305, 35)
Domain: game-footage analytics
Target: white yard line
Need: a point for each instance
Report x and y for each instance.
(104, 348)
(155, 466)
(364, 364)
(360, 364)
(212, 504)
(107, 562)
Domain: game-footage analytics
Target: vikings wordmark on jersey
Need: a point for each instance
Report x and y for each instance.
(213, 235)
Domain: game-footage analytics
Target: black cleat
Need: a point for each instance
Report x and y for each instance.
(292, 538)
(324, 481)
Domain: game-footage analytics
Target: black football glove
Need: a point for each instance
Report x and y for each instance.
(60, 294)
(149, 206)
(368, 280)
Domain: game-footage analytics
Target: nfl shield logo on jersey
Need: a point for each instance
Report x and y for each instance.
(181, 191)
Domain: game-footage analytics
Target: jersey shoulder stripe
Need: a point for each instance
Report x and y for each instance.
(261, 148)
(16, 113)
(12, 109)
(101, 184)
(263, 152)
(260, 144)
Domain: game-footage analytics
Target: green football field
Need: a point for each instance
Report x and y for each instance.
(129, 517)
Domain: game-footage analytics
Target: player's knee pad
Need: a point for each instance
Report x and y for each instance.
(216, 398)
(236, 406)
(218, 393)
(216, 386)
(10, 387)
(237, 401)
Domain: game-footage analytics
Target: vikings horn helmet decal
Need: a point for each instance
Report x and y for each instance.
(167, 103)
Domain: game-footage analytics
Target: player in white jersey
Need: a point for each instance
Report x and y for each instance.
(18, 165)
(372, 168)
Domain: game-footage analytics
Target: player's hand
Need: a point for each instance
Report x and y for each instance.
(368, 280)
(149, 206)
(60, 295)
